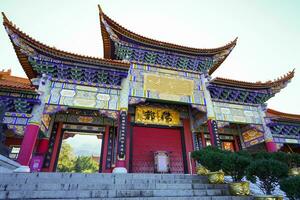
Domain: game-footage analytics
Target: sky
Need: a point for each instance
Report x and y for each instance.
(268, 33)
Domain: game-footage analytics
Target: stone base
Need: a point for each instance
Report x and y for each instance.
(22, 169)
(120, 170)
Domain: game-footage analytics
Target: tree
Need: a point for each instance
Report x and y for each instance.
(86, 164)
(269, 172)
(235, 165)
(291, 187)
(66, 158)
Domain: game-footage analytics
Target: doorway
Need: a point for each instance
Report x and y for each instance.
(80, 151)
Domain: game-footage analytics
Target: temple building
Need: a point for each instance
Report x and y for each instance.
(143, 99)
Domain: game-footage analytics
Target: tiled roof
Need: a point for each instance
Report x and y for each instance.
(55, 52)
(7, 81)
(282, 116)
(275, 84)
(123, 32)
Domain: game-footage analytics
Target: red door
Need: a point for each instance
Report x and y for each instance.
(148, 140)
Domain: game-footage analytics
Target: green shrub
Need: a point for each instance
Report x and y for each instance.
(235, 166)
(294, 160)
(211, 158)
(245, 153)
(268, 171)
(262, 155)
(281, 157)
(291, 187)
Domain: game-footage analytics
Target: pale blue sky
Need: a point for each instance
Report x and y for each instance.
(268, 31)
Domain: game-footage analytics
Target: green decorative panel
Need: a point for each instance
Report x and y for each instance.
(79, 96)
(237, 113)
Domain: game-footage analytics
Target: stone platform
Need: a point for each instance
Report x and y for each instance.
(111, 186)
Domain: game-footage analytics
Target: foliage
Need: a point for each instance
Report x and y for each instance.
(294, 160)
(68, 162)
(244, 153)
(291, 186)
(66, 158)
(281, 157)
(268, 171)
(210, 157)
(235, 166)
(262, 155)
(85, 164)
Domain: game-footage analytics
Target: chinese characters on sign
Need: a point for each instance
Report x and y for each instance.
(252, 137)
(160, 116)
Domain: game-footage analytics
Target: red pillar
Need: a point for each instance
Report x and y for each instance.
(55, 148)
(189, 145)
(28, 143)
(236, 144)
(203, 140)
(42, 147)
(104, 153)
(271, 146)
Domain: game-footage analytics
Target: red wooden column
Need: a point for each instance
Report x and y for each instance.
(271, 146)
(236, 143)
(42, 147)
(189, 145)
(55, 147)
(104, 153)
(28, 143)
(203, 140)
(33, 127)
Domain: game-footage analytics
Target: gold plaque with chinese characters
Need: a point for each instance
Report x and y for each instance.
(167, 85)
(159, 116)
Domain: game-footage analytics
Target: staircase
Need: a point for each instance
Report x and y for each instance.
(111, 187)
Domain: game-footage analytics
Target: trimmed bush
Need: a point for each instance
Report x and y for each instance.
(269, 172)
(235, 166)
(291, 187)
(211, 158)
(262, 155)
(294, 160)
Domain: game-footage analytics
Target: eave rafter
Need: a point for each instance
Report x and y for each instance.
(247, 92)
(120, 43)
(37, 58)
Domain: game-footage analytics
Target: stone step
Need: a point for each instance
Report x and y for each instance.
(110, 193)
(90, 186)
(100, 181)
(98, 175)
(170, 198)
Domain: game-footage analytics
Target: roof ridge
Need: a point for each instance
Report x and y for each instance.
(171, 45)
(7, 22)
(276, 85)
(283, 114)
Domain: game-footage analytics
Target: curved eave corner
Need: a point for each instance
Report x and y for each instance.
(31, 45)
(274, 114)
(275, 86)
(223, 56)
(23, 59)
(114, 26)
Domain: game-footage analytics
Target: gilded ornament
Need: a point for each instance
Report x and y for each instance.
(216, 177)
(239, 189)
(201, 170)
(268, 197)
(294, 171)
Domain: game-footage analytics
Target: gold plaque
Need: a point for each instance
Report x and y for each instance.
(168, 85)
(154, 115)
(251, 134)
